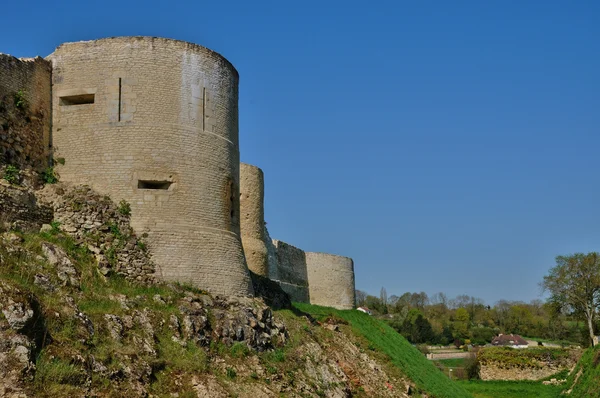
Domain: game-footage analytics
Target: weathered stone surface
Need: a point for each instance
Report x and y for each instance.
(25, 111)
(64, 267)
(291, 271)
(252, 218)
(19, 205)
(96, 221)
(331, 280)
(168, 146)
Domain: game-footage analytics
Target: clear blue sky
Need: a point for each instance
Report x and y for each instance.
(445, 145)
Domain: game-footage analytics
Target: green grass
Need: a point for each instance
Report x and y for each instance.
(510, 389)
(588, 383)
(452, 363)
(400, 352)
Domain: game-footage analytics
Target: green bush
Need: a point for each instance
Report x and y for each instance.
(11, 174)
(49, 176)
(20, 100)
(124, 208)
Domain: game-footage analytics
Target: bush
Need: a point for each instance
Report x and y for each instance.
(11, 174)
(49, 176)
(124, 208)
(472, 367)
(20, 100)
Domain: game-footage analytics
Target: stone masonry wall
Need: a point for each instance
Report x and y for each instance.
(19, 208)
(25, 111)
(252, 218)
(291, 271)
(494, 372)
(155, 122)
(330, 280)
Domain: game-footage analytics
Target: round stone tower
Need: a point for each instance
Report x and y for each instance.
(252, 218)
(155, 122)
(330, 280)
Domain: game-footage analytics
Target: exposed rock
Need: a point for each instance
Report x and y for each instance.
(95, 221)
(64, 267)
(19, 205)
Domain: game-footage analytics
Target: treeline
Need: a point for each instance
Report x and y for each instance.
(464, 319)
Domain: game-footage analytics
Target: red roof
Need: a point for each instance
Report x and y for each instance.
(509, 339)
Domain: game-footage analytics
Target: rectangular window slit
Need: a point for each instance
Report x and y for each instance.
(80, 99)
(151, 184)
(120, 90)
(203, 108)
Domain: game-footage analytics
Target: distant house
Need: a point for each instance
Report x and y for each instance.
(365, 310)
(510, 340)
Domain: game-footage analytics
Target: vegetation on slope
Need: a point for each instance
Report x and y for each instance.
(585, 377)
(400, 352)
(98, 335)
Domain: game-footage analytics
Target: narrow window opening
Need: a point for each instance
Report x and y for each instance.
(203, 108)
(231, 202)
(151, 184)
(80, 99)
(120, 91)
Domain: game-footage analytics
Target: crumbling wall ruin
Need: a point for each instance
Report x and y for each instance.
(25, 111)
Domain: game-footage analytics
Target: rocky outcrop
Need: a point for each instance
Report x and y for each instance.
(95, 221)
(20, 209)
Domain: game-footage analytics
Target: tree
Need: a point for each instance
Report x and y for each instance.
(575, 283)
(384, 298)
(360, 298)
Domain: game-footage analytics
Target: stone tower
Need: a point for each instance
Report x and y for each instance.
(330, 280)
(252, 218)
(155, 122)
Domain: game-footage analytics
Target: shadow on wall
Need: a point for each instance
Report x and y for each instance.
(292, 274)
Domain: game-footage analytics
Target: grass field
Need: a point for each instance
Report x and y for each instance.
(452, 363)
(510, 389)
(401, 353)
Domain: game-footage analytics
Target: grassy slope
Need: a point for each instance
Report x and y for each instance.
(383, 338)
(588, 383)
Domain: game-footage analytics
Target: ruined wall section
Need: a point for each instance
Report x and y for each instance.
(25, 111)
(291, 272)
(330, 280)
(273, 261)
(252, 218)
(155, 122)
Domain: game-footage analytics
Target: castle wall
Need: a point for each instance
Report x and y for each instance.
(330, 280)
(291, 271)
(252, 218)
(155, 122)
(272, 259)
(25, 111)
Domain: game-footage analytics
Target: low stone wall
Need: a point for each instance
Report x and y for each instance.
(493, 372)
(291, 271)
(448, 355)
(504, 363)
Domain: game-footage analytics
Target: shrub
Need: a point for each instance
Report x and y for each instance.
(124, 208)
(11, 174)
(49, 176)
(20, 100)
(471, 366)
